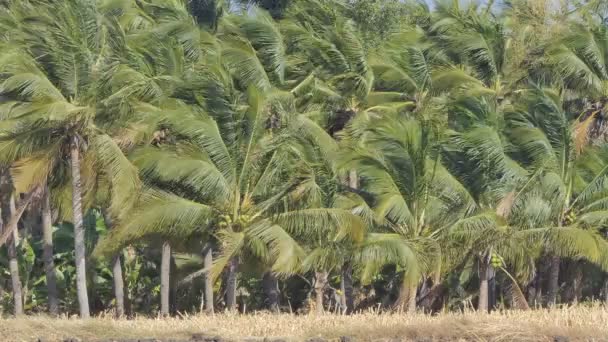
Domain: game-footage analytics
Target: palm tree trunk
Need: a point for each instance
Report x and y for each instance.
(346, 286)
(407, 297)
(534, 289)
(425, 297)
(482, 306)
(15, 280)
(491, 288)
(173, 289)
(119, 290)
(48, 253)
(2, 293)
(118, 280)
(7, 211)
(270, 284)
(342, 295)
(165, 271)
(320, 285)
(207, 264)
(553, 287)
(79, 241)
(411, 302)
(577, 286)
(13, 263)
(605, 290)
(231, 283)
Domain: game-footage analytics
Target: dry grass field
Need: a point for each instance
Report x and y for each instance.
(573, 324)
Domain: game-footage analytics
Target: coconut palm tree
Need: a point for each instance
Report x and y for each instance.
(414, 198)
(475, 153)
(53, 74)
(546, 142)
(324, 186)
(233, 172)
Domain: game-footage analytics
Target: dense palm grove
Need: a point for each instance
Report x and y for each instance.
(164, 156)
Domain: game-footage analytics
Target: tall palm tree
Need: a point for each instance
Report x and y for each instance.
(476, 153)
(414, 198)
(331, 71)
(54, 73)
(324, 186)
(546, 142)
(233, 174)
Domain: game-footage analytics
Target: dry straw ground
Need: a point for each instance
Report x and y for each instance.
(579, 323)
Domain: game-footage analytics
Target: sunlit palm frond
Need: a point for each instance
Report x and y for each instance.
(158, 212)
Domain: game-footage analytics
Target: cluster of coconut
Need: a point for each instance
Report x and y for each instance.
(241, 220)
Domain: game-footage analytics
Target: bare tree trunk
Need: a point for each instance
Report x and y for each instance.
(79, 239)
(2, 292)
(207, 264)
(411, 302)
(320, 285)
(407, 297)
(15, 280)
(13, 263)
(7, 212)
(119, 290)
(577, 285)
(346, 286)
(605, 290)
(425, 299)
(118, 280)
(48, 253)
(491, 288)
(535, 289)
(165, 271)
(482, 306)
(271, 291)
(131, 253)
(173, 289)
(231, 283)
(553, 286)
(342, 295)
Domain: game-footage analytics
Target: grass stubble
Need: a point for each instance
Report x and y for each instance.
(581, 323)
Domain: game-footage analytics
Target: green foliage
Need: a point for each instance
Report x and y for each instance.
(414, 147)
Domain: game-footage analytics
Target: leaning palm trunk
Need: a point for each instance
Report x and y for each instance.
(165, 271)
(79, 245)
(47, 254)
(271, 291)
(320, 285)
(553, 281)
(13, 263)
(231, 282)
(207, 265)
